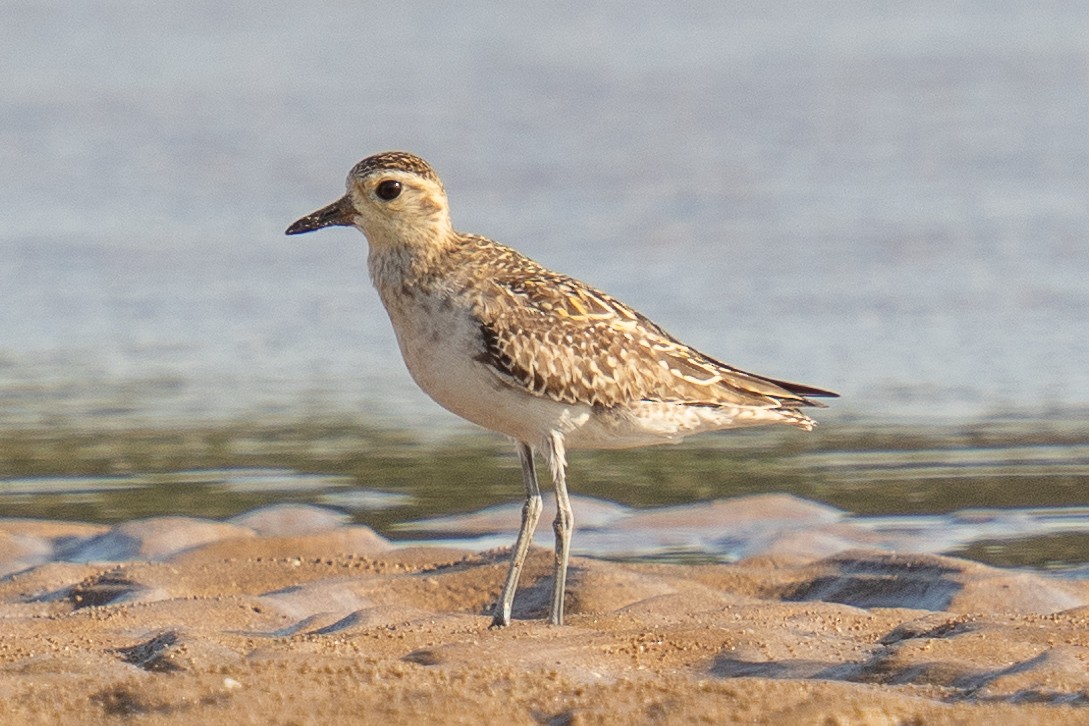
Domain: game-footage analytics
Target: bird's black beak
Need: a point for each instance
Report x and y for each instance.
(337, 214)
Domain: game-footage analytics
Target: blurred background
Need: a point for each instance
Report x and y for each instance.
(891, 202)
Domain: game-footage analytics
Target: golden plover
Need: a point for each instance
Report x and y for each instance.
(511, 346)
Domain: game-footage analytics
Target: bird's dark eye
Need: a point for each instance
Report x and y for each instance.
(389, 189)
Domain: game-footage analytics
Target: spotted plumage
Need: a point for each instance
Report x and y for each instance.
(560, 338)
(539, 356)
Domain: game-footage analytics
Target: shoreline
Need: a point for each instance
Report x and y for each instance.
(264, 623)
(1003, 492)
(212, 586)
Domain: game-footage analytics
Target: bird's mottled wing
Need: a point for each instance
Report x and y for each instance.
(557, 337)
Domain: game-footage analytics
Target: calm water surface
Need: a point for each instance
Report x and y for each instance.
(893, 203)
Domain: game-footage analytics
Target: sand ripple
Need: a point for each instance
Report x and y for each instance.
(291, 615)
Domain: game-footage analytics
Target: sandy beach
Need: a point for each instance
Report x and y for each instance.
(286, 615)
(225, 500)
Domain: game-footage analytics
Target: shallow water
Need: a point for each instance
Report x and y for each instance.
(993, 493)
(890, 202)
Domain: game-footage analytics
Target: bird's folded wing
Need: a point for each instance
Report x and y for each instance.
(554, 336)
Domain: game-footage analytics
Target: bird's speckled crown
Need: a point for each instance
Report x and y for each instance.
(395, 161)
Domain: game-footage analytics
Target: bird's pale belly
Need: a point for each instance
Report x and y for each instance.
(440, 344)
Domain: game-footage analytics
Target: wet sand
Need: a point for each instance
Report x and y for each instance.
(289, 615)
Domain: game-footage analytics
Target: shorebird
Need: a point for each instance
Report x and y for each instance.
(551, 362)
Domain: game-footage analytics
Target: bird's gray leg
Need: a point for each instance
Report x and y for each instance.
(531, 512)
(562, 525)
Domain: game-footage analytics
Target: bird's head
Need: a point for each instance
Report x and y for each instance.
(394, 198)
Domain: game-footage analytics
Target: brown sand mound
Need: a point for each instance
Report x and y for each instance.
(332, 625)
